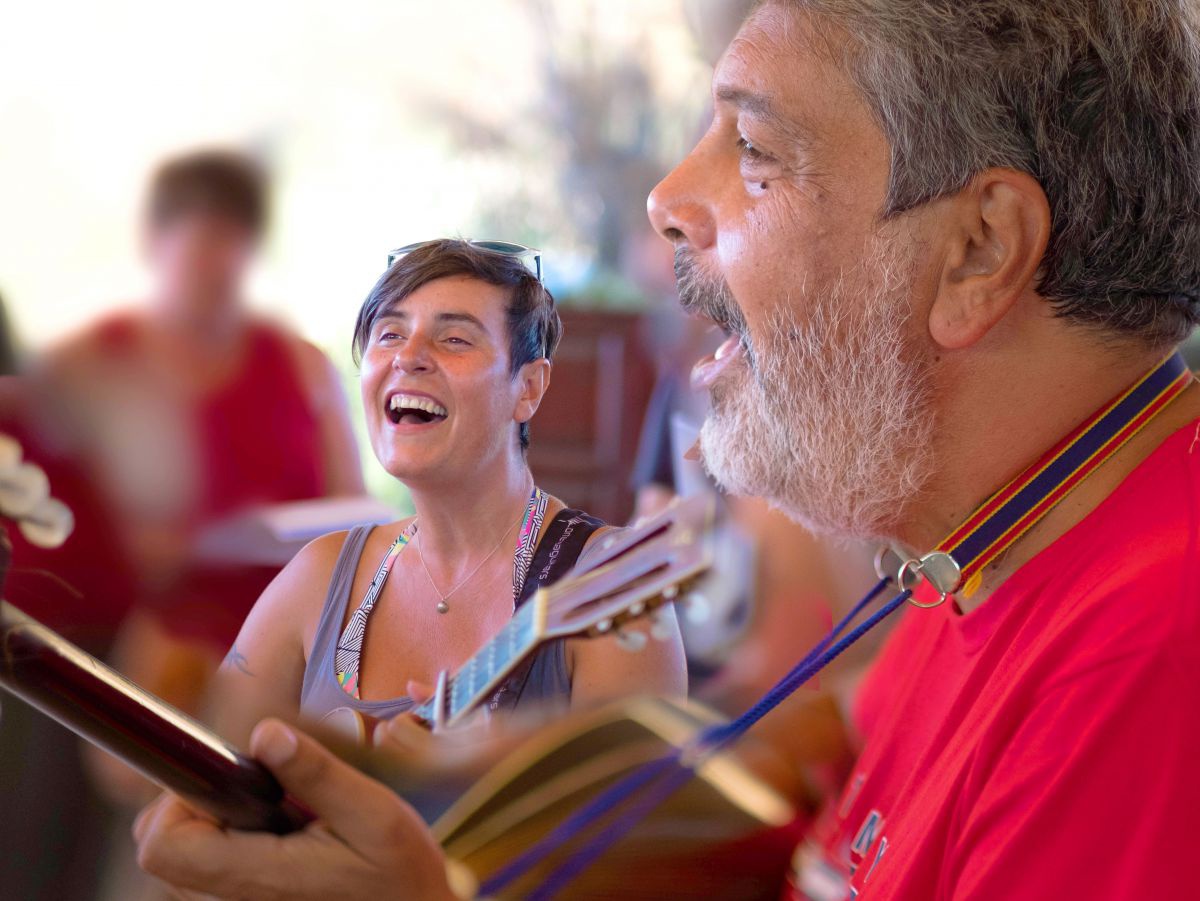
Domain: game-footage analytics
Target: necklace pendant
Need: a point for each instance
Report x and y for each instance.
(443, 607)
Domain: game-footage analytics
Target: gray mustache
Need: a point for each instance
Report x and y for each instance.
(707, 296)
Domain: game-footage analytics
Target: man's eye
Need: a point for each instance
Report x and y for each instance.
(389, 336)
(749, 151)
(461, 342)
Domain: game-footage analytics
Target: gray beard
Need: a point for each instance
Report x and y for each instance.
(829, 418)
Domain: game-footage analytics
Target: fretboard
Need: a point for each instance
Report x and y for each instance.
(480, 676)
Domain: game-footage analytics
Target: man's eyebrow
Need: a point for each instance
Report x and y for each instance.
(763, 107)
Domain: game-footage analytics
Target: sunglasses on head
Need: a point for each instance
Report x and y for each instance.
(531, 259)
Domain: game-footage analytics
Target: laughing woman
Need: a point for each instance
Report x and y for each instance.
(454, 343)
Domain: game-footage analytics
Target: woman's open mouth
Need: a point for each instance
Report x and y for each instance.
(415, 410)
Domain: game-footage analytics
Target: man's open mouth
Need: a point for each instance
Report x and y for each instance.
(414, 409)
(709, 368)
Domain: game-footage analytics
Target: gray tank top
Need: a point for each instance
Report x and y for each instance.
(543, 681)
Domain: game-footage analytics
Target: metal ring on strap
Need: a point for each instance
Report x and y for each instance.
(937, 568)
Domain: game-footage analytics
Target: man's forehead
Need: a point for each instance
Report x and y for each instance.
(779, 67)
(772, 40)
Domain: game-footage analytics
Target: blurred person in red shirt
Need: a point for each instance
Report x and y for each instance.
(191, 408)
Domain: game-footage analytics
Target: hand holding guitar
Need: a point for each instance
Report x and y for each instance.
(366, 843)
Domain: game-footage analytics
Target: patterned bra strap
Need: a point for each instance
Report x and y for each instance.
(527, 538)
(349, 646)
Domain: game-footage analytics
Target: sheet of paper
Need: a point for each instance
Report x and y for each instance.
(271, 535)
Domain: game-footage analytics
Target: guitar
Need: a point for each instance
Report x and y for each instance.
(630, 575)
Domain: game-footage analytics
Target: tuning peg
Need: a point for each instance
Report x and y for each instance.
(663, 628)
(49, 524)
(21, 489)
(696, 608)
(10, 452)
(631, 641)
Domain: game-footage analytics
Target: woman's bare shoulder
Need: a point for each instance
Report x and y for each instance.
(314, 564)
(296, 594)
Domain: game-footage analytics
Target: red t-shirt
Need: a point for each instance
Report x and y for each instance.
(1047, 744)
(257, 440)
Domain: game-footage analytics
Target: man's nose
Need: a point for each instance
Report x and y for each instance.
(680, 207)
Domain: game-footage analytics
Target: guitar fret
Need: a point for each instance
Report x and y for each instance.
(455, 693)
(485, 664)
(481, 669)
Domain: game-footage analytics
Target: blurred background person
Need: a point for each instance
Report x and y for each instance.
(189, 408)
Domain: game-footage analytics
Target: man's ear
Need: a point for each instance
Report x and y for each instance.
(998, 228)
(533, 379)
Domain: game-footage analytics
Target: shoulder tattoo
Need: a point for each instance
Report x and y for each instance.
(235, 659)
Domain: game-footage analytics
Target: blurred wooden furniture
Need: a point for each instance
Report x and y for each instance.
(585, 436)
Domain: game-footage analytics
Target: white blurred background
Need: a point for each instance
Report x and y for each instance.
(383, 121)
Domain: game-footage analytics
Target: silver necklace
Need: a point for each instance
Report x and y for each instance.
(442, 606)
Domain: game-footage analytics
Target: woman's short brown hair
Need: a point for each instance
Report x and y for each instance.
(534, 326)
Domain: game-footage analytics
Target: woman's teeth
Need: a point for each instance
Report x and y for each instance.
(405, 402)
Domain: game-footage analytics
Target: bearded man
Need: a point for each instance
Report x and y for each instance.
(941, 235)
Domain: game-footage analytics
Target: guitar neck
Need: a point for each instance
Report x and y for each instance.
(491, 665)
(627, 576)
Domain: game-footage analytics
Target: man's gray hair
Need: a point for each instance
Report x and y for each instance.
(1099, 100)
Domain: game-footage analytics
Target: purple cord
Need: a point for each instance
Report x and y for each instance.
(665, 775)
(610, 835)
(592, 849)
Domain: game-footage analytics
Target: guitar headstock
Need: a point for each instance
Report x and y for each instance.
(25, 499)
(633, 572)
